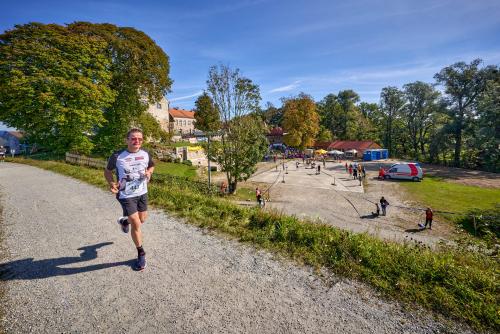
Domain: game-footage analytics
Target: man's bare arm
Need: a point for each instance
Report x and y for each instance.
(113, 186)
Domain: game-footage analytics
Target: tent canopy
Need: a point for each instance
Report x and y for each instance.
(320, 151)
(335, 152)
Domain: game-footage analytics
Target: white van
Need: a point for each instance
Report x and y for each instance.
(405, 171)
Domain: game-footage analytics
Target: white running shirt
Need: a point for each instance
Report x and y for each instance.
(131, 172)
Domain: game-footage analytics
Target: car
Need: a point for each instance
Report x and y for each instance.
(405, 171)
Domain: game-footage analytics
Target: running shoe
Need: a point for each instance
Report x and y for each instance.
(124, 224)
(140, 265)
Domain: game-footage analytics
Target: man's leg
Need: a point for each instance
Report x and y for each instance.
(135, 223)
(142, 216)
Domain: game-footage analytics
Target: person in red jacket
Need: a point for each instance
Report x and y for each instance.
(381, 173)
(428, 218)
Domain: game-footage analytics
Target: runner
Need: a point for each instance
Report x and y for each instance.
(133, 167)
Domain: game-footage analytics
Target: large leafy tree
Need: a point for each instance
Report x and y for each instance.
(328, 109)
(242, 136)
(54, 85)
(463, 85)
(140, 76)
(300, 121)
(487, 135)
(349, 116)
(422, 104)
(392, 101)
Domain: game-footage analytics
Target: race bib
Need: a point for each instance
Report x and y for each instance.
(134, 187)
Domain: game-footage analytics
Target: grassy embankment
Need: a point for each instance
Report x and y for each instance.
(457, 283)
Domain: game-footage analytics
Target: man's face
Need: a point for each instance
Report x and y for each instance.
(134, 141)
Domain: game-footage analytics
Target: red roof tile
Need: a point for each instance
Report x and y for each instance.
(179, 113)
(353, 144)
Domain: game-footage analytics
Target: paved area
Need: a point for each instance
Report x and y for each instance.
(335, 198)
(66, 268)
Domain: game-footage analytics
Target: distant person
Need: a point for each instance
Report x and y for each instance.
(360, 179)
(133, 168)
(354, 174)
(319, 169)
(223, 186)
(381, 173)
(428, 218)
(383, 205)
(350, 169)
(258, 196)
(346, 167)
(359, 169)
(2, 153)
(363, 171)
(297, 165)
(324, 162)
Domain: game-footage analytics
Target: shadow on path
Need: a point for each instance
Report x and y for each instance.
(414, 230)
(26, 269)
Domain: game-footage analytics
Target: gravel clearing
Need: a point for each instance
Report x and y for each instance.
(68, 270)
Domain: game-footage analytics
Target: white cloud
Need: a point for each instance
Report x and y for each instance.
(186, 97)
(286, 88)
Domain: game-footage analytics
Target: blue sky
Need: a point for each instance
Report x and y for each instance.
(288, 47)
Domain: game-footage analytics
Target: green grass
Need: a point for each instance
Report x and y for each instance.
(448, 196)
(457, 283)
(176, 169)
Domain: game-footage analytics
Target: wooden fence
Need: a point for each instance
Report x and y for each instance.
(85, 161)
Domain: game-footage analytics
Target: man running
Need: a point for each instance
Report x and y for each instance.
(133, 167)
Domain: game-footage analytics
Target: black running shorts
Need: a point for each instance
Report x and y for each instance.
(134, 204)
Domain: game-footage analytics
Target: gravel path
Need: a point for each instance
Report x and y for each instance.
(67, 270)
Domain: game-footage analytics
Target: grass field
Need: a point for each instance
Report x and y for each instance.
(448, 196)
(175, 169)
(458, 283)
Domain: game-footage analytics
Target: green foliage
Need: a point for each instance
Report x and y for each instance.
(464, 84)
(243, 141)
(206, 114)
(139, 71)
(151, 128)
(54, 85)
(240, 149)
(300, 121)
(458, 283)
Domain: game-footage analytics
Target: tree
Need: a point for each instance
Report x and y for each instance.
(272, 115)
(300, 121)
(392, 100)
(327, 110)
(241, 148)
(487, 135)
(151, 128)
(206, 114)
(463, 84)
(347, 100)
(54, 85)
(418, 114)
(207, 120)
(242, 135)
(140, 76)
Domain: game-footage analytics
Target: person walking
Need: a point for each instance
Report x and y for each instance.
(428, 218)
(360, 179)
(354, 173)
(346, 167)
(258, 196)
(319, 169)
(133, 168)
(383, 205)
(350, 169)
(363, 171)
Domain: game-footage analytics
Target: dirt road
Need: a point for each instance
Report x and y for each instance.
(66, 268)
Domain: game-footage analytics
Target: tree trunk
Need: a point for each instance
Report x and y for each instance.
(458, 146)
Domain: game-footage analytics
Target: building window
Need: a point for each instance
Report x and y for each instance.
(158, 106)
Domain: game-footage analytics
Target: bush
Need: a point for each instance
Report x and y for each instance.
(187, 162)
